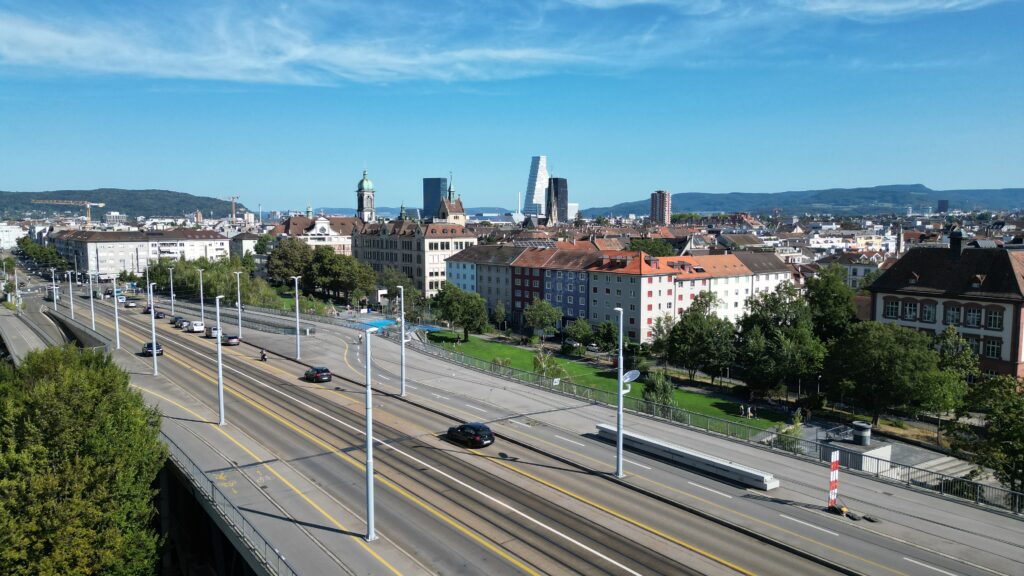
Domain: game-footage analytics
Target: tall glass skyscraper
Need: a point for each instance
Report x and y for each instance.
(536, 187)
(434, 189)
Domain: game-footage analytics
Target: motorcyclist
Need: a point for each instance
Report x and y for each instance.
(263, 355)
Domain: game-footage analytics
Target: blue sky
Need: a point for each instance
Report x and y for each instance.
(285, 102)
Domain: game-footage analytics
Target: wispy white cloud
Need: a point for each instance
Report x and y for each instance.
(315, 42)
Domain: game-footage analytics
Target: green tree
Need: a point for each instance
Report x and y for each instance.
(776, 341)
(652, 246)
(499, 313)
(580, 331)
(601, 220)
(467, 310)
(291, 257)
(1000, 445)
(868, 279)
(659, 394)
(264, 243)
(661, 335)
(391, 278)
(681, 217)
(700, 340)
(541, 315)
(325, 271)
(79, 453)
(885, 366)
(607, 336)
(578, 221)
(957, 358)
(831, 303)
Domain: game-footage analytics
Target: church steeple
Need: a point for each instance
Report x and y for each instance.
(451, 187)
(364, 199)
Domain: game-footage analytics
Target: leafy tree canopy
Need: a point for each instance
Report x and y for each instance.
(291, 257)
(1000, 446)
(831, 303)
(78, 455)
(541, 315)
(467, 310)
(652, 246)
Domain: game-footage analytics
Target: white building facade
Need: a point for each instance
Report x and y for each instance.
(109, 253)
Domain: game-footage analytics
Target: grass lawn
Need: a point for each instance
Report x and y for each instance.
(586, 374)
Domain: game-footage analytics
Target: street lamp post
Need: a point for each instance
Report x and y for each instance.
(92, 307)
(297, 345)
(171, 271)
(202, 310)
(220, 366)
(401, 313)
(238, 301)
(71, 295)
(623, 390)
(152, 327)
(117, 323)
(53, 283)
(17, 292)
(370, 533)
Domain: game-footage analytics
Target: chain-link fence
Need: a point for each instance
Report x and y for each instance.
(969, 490)
(264, 553)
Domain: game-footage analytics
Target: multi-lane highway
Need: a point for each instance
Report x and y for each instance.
(503, 509)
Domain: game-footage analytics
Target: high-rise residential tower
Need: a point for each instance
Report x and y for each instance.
(557, 203)
(536, 187)
(661, 208)
(364, 200)
(434, 189)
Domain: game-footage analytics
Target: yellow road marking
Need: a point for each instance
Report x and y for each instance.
(359, 466)
(255, 458)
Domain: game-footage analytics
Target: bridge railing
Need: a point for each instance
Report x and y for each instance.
(261, 549)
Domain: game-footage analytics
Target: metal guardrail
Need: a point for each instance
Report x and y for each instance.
(261, 549)
(885, 470)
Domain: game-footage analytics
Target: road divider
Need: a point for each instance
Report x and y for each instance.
(713, 465)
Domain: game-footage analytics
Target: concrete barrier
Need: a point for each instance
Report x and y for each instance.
(81, 331)
(713, 465)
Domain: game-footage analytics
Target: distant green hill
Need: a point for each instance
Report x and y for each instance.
(154, 203)
(874, 200)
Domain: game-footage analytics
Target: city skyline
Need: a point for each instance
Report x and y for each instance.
(623, 97)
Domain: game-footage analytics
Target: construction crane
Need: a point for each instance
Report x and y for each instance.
(88, 206)
(233, 199)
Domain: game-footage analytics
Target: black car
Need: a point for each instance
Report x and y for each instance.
(319, 374)
(147, 349)
(175, 319)
(474, 435)
(161, 315)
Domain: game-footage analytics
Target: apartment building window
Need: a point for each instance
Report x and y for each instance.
(927, 312)
(632, 307)
(993, 347)
(650, 293)
(568, 299)
(618, 292)
(650, 307)
(536, 284)
(952, 315)
(558, 298)
(519, 293)
(910, 310)
(595, 289)
(994, 319)
(975, 344)
(972, 317)
(632, 320)
(547, 273)
(583, 289)
(559, 274)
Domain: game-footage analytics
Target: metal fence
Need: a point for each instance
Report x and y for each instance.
(264, 553)
(885, 470)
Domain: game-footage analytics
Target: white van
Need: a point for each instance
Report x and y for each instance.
(212, 332)
(197, 327)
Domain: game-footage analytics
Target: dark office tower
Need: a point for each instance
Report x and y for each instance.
(943, 206)
(434, 189)
(661, 208)
(557, 201)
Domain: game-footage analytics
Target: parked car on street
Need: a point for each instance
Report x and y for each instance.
(196, 327)
(175, 319)
(182, 323)
(212, 332)
(318, 374)
(147, 349)
(131, 304)
(230, 340)
(474, 435)
(160, 315)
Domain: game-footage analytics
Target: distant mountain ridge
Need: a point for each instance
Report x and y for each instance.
(868, 200)
(154, 203)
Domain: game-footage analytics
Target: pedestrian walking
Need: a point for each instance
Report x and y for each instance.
(743, 411)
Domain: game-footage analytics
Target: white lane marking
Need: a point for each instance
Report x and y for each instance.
(383, 377)
(637, 464)
(567, 440)
(477, 408)
(939, 570)
(411, 387)
(439, 396)
(709, 489)
(398, 451)
(520, 423)
(808, 524)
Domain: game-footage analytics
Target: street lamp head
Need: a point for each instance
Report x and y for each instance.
(219, 297)
(371, 330)
(618, 309)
